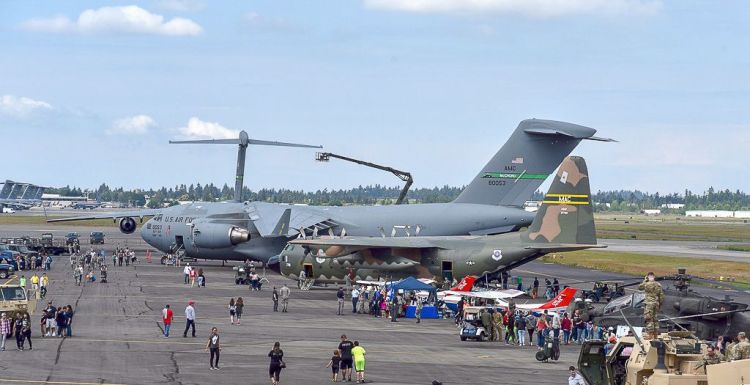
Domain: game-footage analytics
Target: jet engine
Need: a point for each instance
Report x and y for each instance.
(127, 225)
(218, 235)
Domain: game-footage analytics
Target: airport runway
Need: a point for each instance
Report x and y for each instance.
(688, 249)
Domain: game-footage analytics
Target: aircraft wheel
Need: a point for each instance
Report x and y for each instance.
(480, 338)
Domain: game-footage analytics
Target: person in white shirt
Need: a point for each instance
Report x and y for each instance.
(355, 299)
(575, 378)
(189, 318)
(186, 271)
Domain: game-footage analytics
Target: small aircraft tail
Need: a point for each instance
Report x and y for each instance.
(466, 284)
(562, 300)
(531, 153)
(566, 217)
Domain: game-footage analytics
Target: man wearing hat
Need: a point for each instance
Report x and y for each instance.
(652, 303)
(741, 351)
(189, 318)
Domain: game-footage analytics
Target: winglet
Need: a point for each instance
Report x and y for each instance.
(466, 284)
(562, 300)
(282, 227)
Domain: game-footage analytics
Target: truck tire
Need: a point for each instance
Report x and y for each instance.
(540, 356)
(463, 338)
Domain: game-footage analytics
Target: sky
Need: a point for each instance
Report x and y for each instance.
(91, 92)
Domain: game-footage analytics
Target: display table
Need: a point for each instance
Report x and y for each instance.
(428, 312)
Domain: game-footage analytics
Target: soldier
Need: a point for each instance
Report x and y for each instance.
(486, 318)
(654, 298)
(712, 357)
(741, 351)
(497, 320)
(284, 292)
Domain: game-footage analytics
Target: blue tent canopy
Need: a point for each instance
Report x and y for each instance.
(412, 283)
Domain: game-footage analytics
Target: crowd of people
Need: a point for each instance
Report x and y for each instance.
(31, 261)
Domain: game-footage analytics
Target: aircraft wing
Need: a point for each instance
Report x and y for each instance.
(560, 247)
(490, 294)
(273, 220)
(124, 214)
(337, 247)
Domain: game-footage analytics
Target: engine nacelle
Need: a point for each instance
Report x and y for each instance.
(127, 225)
(218, 235)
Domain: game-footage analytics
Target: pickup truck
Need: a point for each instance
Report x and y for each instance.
(6, 270)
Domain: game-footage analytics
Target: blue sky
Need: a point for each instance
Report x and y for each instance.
(91, 92)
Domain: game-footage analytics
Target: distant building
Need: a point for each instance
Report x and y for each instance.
(710, 213)
(651, 211)
(674, 206)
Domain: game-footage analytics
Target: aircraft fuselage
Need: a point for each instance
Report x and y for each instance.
(191, 225)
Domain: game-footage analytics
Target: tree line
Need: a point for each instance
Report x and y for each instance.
(616, 200)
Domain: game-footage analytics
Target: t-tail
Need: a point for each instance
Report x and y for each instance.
(565, 219)
(529, 156)
(466, 284)
(242, 141)
(561, 301)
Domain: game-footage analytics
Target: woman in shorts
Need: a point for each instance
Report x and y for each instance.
(358, 353)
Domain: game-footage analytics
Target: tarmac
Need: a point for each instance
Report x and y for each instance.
(117, 337)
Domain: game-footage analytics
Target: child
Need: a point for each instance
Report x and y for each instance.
(334, 365)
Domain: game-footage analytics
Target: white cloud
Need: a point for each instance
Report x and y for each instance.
(21, 106)
(126, 19)
(532, 8)
(138, 125)
(181, 5)
(198, 129)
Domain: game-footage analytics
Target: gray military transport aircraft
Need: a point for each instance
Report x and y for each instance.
(238, 230)
(564, 222)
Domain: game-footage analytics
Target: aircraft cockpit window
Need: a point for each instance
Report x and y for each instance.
(634, 300)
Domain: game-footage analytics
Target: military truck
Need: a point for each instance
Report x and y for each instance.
(13, 300)
(674, 358)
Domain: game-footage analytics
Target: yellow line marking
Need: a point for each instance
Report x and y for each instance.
(568, 195)
(10, 280)
(54, 382)
(565, 203)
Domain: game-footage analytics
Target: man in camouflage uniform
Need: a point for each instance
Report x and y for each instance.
(712, 357)
(741, 351)
(652, 303)
(497, 320)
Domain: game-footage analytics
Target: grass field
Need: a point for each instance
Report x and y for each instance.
(640, 264)
(670, 228)
(735, 247)
(39, 220)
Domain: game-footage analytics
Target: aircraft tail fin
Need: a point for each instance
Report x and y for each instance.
(529, 156)
(566, 215)
(562, 300)
(466, 284)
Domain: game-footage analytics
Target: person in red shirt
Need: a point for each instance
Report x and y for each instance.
(566, 325)
(166, 316)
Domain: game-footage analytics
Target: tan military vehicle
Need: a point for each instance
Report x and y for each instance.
(13, 300)
(674, 358)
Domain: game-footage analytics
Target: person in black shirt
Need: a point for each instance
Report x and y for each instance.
(334, 364)
(345, 351)
(277, 363)
(213, 344)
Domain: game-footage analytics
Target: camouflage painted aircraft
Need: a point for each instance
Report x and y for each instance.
(237, 230)
(564, 222)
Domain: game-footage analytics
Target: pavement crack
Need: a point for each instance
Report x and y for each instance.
(171, 377)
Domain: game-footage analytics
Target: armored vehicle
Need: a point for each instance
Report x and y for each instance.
(674, 358)
(13, 300)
